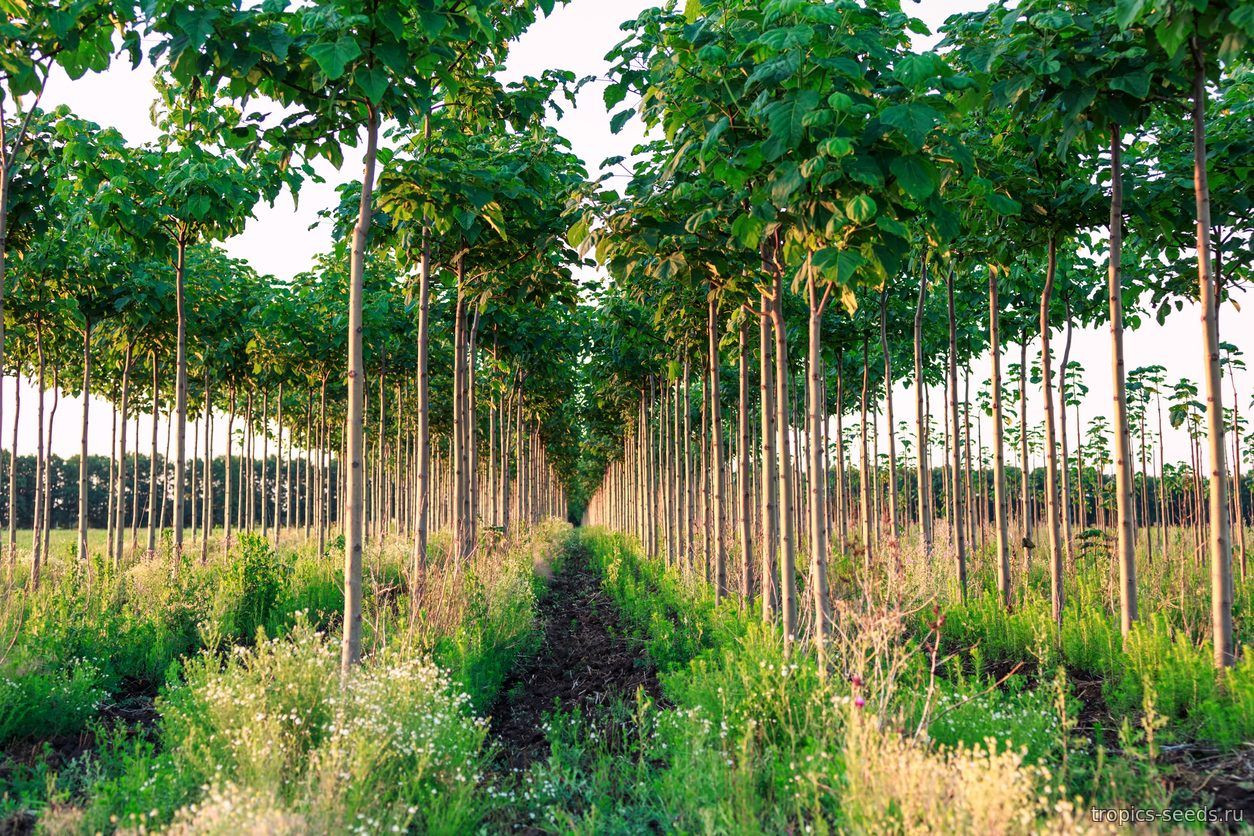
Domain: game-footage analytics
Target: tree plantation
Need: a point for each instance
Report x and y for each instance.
(864, 449)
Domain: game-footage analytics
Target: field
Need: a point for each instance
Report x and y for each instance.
(566, 682)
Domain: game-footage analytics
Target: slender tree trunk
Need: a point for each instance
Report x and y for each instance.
(17, 414)
(1123, 454)
(743, 454)
(82, 457)
(1000, 498)
(925, 516)
(960, 554)
(354, 426)
(115, 548)
(1025, 509)
(152, 460)
(1051, 453)
(180, 394)
(818, 477)
(788, 555)
(768, 481)
(1220, 539)
(894, 519)
(716, 451)
(40, 468)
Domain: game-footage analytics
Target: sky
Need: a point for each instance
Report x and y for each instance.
(575, 37)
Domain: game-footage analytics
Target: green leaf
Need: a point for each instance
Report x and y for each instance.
(787, 180)
(332, 58)
(836, 146)
(1173, 32)
(917, 177)
(619, 119)
(711, 138)
(785, 121)
(1135, 84)
(692, 10)
(1126, 11)
(914, 121)
(373, 81)
(860, 209)
(1004, 205)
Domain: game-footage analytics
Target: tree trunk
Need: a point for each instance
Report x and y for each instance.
(960, 555)
(1220, 530)
(116, 548)
(925, 516)
(354, 426)
(788, 555)
(82, 458)
(1051, 453)
(716, 451)
(1000, 499)
(180, 394)
(743, 455)
(768, 480)
(1126, 553)
(888, 415)
(818, 477)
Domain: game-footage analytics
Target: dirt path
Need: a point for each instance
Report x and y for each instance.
(586, 661)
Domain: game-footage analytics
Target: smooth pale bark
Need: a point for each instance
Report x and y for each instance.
(1067, 537)
(180, 392)
(1000, 498)
(920, 421)
(206, 523)
(82, 457)
(152, 461)
(960, 553)
(787, 542)
(115, 548)
(1220, 538)
(1051, 453)
(718, 486)
(1025, 510)
(864, 472)
(37, 517)
(350, 652)
(1125, 553)
(818, 477)
(842, 495)
(894, 520)
(743, 454)
(768, 483)
(17, 414)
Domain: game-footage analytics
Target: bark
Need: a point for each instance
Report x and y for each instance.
(894, 520)
(787, 550)
(116, 548)
(82, 458)
(1051, 453)
(354, 426)
(716, 451)
(925, 517)
(1126, 548)
(960, 554)
(1000, 499)
(768, 481)
(17, 414)
(743, 455)
(180, 394)
(1220, 537)
(152, 461)
(818, 478)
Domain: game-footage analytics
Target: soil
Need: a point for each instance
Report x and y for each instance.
(586, 662)
(133, 705)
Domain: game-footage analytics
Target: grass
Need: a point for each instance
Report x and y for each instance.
(752, 740)
(252, 727)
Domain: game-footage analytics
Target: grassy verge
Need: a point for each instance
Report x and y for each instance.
(904, 736)
(259, 734)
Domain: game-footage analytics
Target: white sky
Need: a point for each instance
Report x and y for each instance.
(575, 37)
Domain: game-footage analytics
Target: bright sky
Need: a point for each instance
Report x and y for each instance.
(575, 37)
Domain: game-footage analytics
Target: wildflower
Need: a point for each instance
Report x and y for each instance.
(859, 701)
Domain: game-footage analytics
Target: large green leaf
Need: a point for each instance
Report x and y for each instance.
(917, 177)
(914, 121)
(333, 57)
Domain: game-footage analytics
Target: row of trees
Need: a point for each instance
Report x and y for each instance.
(948, 203)
(447, 261)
